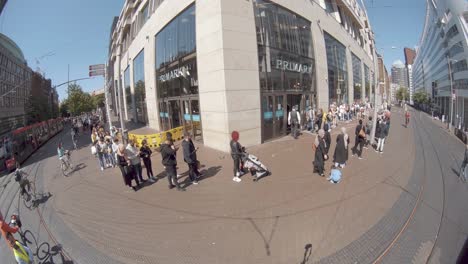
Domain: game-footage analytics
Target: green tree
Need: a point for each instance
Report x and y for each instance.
(402, 94)
(78, 101)
(99, 101)
(64, 108)
(420, 97)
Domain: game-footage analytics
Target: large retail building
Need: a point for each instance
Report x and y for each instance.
(440, 67)
(214, 66)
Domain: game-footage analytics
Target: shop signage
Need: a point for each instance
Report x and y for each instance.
(176, 73)
(292, 66)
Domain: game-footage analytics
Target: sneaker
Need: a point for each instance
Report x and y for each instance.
(195, 182)
(376, 151)
(102, 168)
(381, 152)
(366, 147)
(360, 158)
(236, 179)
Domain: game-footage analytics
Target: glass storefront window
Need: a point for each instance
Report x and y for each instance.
(176, 74)
(367, 80)
(357, 77)
(139, 86)
(128, 94)
(285, 49)
(337, 70)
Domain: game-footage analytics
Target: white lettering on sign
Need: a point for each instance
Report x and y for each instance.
(176, 73)
(293, 66)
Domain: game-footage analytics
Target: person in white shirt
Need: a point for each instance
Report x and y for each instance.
(294, 120)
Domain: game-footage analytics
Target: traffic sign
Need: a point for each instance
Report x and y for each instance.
(97, 67)
(97, 73)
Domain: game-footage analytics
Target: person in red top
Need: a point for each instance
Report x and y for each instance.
(5, 228)
(407, 115)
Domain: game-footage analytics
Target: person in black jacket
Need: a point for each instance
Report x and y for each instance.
(359, 141)
(168, 154)
(320, 153)
(190, 157)
(145, 154)
(327, 137)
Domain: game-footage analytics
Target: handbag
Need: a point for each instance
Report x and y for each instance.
(362, 133)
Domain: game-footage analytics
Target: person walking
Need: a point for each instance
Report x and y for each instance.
(145, 154)
(360, 134)
(110, 154)
(236, 154)
(124, 165)
(383, 130)
(320, 153)
(23, 255)
(190, 157)
(319, 119)
(369, 126)
(294, 120)
(168, 154)
(310, 119)
(340, 156)
(135, 163)
(101, 148)
(327, 137)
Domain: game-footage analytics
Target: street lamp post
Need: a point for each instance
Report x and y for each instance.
(449, 124)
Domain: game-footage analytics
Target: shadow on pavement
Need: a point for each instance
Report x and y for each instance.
(307, 253)
(79, 167)
(463, 257)
(44, 252)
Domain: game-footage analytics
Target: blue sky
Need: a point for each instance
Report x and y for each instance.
(55, 33)
(396, 23)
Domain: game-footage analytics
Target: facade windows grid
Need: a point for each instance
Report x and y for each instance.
(357, 76)
(337, 70)
(139, 87)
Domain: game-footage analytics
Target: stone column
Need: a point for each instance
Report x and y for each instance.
(227, 61)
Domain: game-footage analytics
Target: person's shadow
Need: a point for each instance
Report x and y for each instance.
(206, 174)
(307, 253)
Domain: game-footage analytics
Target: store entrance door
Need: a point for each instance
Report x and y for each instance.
(273, 117)
(181, 112)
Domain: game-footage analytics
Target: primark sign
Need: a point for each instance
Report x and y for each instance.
(176, 73)
(292, 66)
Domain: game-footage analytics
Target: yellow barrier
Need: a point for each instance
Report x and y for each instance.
(155, 140)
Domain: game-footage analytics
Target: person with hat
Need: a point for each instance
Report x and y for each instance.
(320, 153)
(190, 157)
(236, 154)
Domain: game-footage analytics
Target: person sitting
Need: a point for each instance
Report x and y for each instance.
(335, 175)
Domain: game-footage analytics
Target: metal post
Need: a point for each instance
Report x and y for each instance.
(374, 119)
(106, 95)
(449, 124)
(120, 95)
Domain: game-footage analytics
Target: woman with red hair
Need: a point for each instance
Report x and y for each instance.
(236, 154)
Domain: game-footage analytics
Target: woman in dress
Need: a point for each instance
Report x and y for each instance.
(340, 157)
(124, 162)
(320, 153)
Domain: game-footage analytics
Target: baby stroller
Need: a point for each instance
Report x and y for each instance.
(255, 166)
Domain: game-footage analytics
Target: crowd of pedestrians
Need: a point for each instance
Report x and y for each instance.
(362, 140)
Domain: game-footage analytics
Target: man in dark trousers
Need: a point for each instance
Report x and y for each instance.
(168, 154)
(360, 138)
(294, 120)
(190, 157)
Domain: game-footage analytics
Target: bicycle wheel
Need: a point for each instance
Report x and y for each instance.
(27, 200)
(64, 168)
(29, 240)
(43, 251)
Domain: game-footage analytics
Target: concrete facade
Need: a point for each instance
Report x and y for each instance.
(227, 57)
